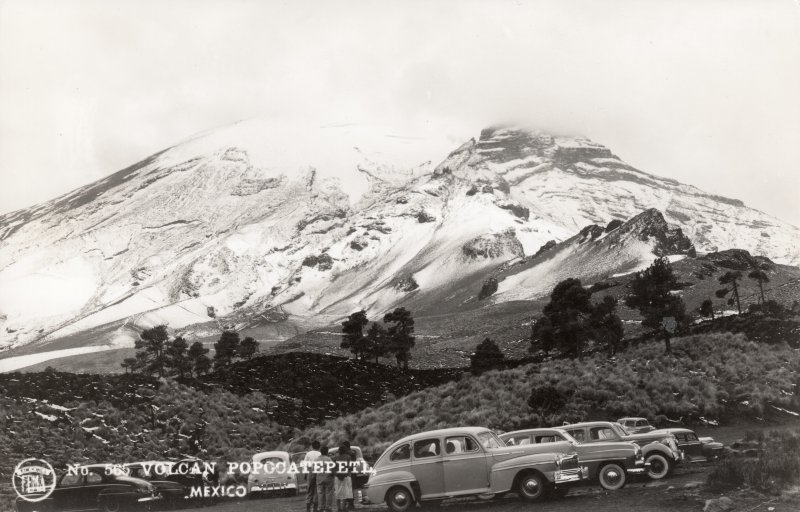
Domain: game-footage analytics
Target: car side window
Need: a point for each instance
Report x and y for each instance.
(519, 440)
(460, 444)
(427, 448)
(400, 453)
(93, 478)
(680, 436)
(641, 423)
(579, 435)
(546, 439)
(69, 480)
(691, 437)
(599, 433)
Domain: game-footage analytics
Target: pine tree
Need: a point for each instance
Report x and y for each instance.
(400, 335)
(732, 278)
(353, 330)
(247, 348)
(486, 357)
(225, 349)
(150, 350)
(543, 333)
(376, 341)
(569, 312)
(198, 358)
(606, 325)
(707, 308)
(651, 294)
(176, 357)
(760, 276)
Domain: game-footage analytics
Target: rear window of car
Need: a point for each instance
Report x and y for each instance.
(400, 453)
(460, 444)
(641, 423)
(271, 460)
(93, 478)
(427, 448)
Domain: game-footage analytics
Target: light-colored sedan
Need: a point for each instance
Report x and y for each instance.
(606, 463)
(271, 474)
(636, 425)
(467, 461)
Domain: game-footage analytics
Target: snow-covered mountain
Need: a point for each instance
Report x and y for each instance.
(258, 221)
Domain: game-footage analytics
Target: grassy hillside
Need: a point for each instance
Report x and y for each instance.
(714, 377)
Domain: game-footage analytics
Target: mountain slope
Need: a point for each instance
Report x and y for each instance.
(289, 226)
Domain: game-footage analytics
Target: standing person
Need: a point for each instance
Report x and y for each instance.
(311, 493)
(343, 484)
(325, 481)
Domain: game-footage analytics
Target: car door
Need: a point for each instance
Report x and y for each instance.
(66, 493)
(691, 445)
(428, 466)
(466, 470)
(93, 483)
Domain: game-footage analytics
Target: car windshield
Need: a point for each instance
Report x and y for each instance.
(489, 440)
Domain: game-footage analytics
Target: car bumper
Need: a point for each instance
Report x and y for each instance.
(570, 475)
(640, 468)
(270, 487)
(148, 499)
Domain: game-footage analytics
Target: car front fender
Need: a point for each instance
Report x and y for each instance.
(503, 473)
(659, 447)
(380, 483)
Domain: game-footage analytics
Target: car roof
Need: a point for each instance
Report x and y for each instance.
(532, 430)
(277, 453)
(588, 424)
(673, 430)
(142, 462)
(444, 432)
(636, 418)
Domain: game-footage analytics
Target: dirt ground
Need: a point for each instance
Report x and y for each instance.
(683, 491)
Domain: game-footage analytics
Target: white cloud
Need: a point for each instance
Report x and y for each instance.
(702, 92)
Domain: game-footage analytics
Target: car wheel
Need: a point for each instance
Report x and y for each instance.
(659, 466)
(612, 477)
(110, 504)
(531, 486)
(399, 499)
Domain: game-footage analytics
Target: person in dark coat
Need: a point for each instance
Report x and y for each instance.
(325, 481)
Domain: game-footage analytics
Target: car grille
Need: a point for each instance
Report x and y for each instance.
(570, 462)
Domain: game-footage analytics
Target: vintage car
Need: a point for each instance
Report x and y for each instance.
(160, 474)
(636, 425)
(466, 461)
(271, 473)
(660, 450)
(606, 463)
(91, 488)
(694, 448)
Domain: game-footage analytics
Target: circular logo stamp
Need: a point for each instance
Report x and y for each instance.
(33, 479)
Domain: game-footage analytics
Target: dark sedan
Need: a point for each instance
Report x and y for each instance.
(160, 474)
(695, 449)
(91, 488)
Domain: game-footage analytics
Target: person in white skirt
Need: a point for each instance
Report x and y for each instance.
(343, 483)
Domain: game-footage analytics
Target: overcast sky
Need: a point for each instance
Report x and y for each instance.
(705, 92)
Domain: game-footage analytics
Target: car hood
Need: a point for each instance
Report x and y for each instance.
(509, 452)
(137, 482)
